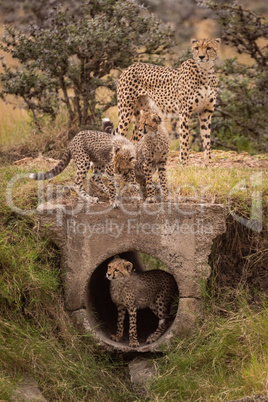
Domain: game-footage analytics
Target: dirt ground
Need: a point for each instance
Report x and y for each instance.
(226, 159)
(223, 159)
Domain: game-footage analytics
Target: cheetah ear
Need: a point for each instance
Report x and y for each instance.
(193, 41)
(218, 40)
(128, 266)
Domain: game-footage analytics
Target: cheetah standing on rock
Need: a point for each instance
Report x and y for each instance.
(105, 151)
(180, 92)
(152, 153)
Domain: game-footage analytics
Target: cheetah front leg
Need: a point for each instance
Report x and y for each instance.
(205, 130)
(133, 337)
(98, 172)
(121, 312)
(130, 177)
(125, 112)
(112, 186)
(150, 191)
(184, 137)
(136, 134)
(163, 178)
(142, 104)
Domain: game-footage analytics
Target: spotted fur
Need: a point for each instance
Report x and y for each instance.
(100, 148)
(180, 92)
(152, 153)
(131, 291)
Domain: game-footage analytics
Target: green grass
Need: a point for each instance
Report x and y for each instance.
(227, 358)
(214, 183)
(151, 262)
(37, 336)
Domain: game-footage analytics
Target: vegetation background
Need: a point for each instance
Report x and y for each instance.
(58, 74)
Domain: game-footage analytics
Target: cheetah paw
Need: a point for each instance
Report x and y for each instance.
(151, 200)
(115, 204)
(88, 198)
(92, 200)
(115, 338)
(150, 339)
(134, 344)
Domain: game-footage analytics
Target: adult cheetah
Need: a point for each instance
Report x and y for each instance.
(174, 92)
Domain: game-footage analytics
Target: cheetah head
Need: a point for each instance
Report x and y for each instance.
(124, 155)
(118, 268)
(205, 51)
(149, 122)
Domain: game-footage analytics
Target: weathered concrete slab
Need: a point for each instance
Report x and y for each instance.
(179, 235)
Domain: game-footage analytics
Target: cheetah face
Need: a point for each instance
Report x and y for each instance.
(205, 51)
(124, 160)
(149, 122)
(118, 268)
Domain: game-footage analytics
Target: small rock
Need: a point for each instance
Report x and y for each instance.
(28, 391)
(80, 320)
(141, 370)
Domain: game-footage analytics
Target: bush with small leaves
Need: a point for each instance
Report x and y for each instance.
(65, 62)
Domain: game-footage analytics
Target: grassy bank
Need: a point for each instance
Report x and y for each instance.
(226, 359)
(36, 335)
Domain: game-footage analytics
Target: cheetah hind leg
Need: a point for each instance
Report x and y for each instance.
(98, 172)
(86, 197)
(81, 194)
(162, 315)
(159, 331)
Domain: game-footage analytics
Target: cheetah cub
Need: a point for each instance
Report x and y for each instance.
(152, 153)
(130, 291)
(103, 150)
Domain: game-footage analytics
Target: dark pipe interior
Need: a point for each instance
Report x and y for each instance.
(100, 302)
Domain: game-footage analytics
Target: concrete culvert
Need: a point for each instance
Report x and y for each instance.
(180, 236)
(102, 312)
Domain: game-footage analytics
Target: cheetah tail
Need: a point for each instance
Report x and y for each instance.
(63, 163)
(108, 126)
